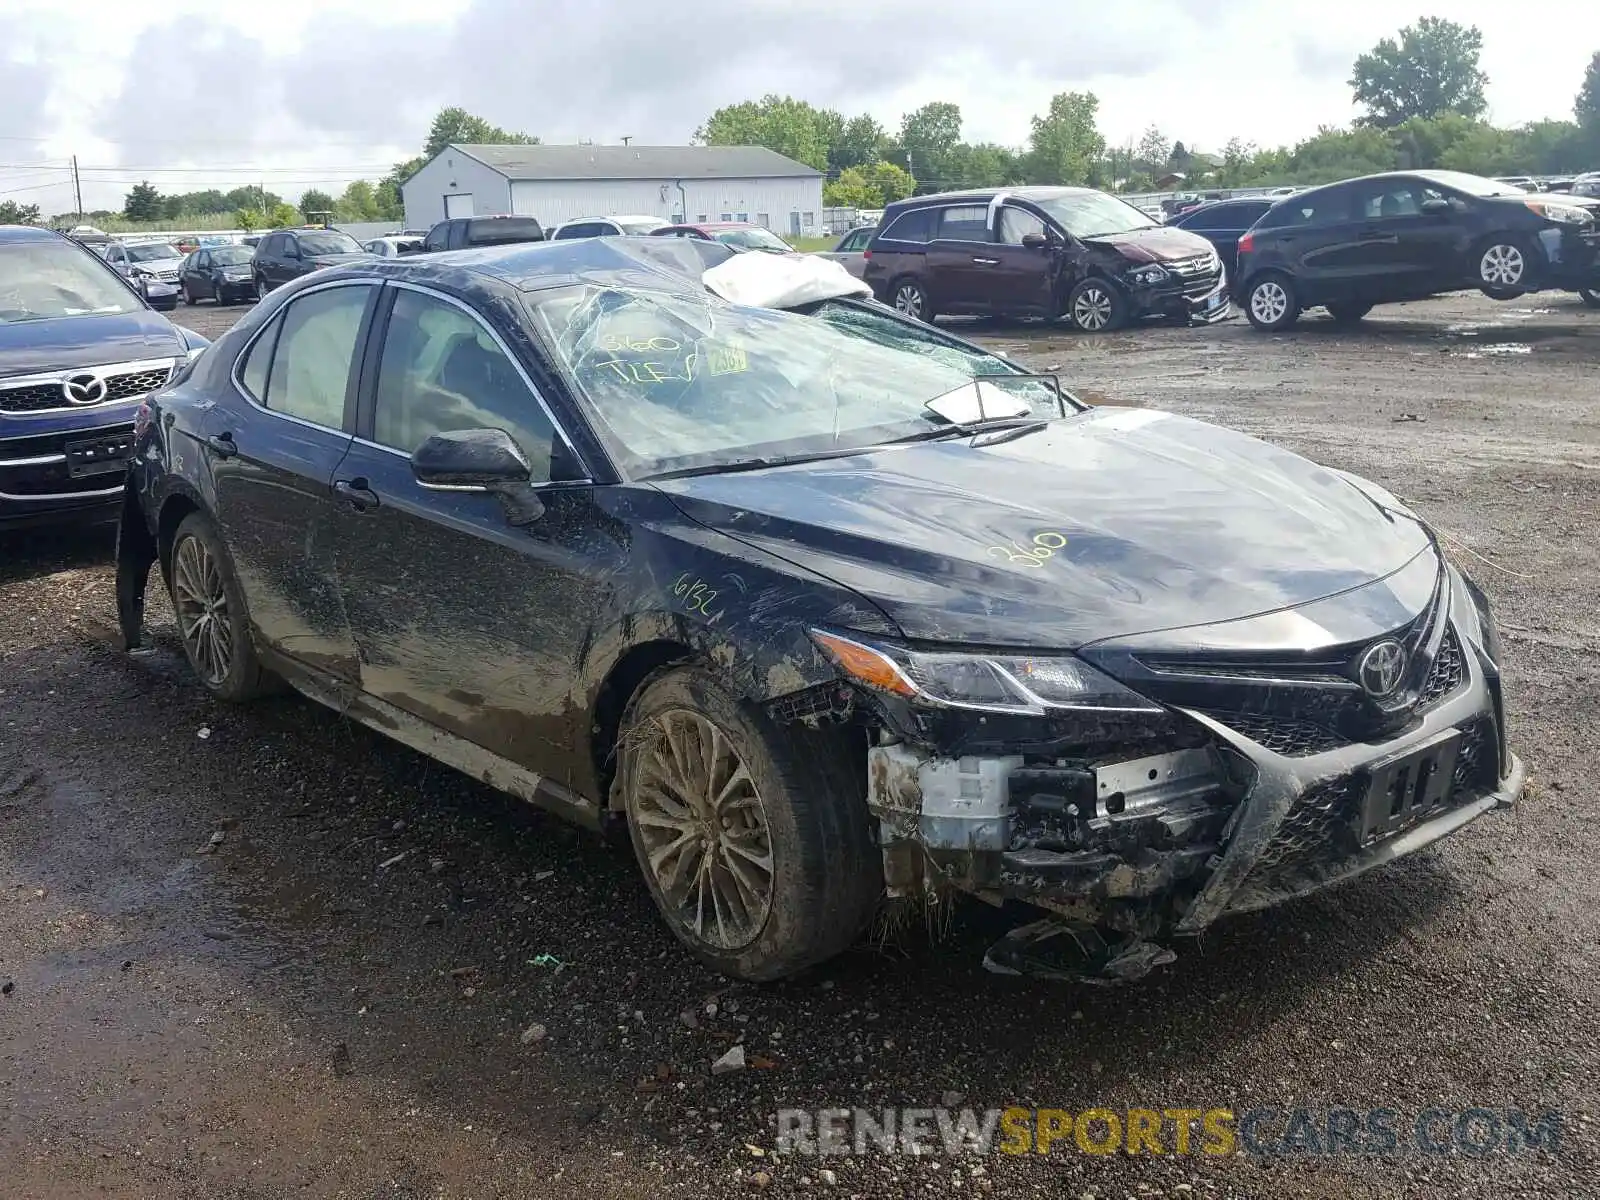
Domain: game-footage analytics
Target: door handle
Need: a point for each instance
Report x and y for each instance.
(988, 262)
(355, 493)
(222, 445)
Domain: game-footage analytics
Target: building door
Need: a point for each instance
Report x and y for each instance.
(459, 205)
(794, 224)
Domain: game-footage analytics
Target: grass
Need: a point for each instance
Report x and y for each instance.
(813, 243)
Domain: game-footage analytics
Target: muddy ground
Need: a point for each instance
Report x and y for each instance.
(264, 953)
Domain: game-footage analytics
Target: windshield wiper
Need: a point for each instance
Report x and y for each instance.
(757, 464)
(972, 429)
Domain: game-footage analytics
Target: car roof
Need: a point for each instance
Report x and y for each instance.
(656, 264)
(984, 195)
(616, 217)
(28, 233)
(707, 226)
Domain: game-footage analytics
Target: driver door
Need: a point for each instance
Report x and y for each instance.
(1023, 275)
(461, 618)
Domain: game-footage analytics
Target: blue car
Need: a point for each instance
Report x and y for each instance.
(79, 348)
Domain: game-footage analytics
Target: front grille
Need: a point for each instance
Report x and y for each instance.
(1289, 736)
(1199, 274)
(123, 381)
(1321, 833)
(1449, 672)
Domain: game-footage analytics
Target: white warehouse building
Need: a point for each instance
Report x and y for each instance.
(559, 183)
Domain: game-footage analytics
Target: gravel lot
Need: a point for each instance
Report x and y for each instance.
(261, 952)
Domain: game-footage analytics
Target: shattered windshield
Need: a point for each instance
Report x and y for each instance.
(677, 382)
(1094, 214)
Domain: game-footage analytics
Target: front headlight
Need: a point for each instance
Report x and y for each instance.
(1009, 683)
(1146, 275)
(1565, 214)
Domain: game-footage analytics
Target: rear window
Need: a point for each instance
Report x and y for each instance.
(965, 223)
(503, 229)
(913, 226)
(1225, 216)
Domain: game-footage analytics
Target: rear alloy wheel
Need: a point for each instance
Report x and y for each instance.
(1503, 266)
(754, 840)
(910, 299)
(1590, 296)
(1096, 306)
(1271, 304)
(188, 296)
(1348, 314)
(261, 289)
(211, 615)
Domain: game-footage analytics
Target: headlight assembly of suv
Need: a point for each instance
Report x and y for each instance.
(1147, 275)
(1004, 683)
(1565, 214)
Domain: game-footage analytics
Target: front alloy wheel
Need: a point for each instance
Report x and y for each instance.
(1095, 306)
(704, 831)
(1502, 265)
(910, 299)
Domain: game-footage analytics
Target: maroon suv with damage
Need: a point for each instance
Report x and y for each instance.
(1048, 252)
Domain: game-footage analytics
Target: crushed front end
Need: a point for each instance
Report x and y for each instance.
(1142, 787)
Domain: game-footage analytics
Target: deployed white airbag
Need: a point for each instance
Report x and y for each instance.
(762, 280)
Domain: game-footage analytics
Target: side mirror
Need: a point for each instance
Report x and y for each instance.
(1435, 208)
(469, 460)
(1035, 241)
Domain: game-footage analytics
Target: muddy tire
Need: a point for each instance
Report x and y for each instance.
(1271, 303)
(1348, 314)
(754, 840)
(213, 623)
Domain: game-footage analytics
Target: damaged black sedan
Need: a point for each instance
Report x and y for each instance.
(826, 607)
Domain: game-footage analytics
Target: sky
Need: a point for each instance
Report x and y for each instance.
(214, 93)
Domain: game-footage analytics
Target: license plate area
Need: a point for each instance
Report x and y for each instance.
(99, 456)
(1407, 788)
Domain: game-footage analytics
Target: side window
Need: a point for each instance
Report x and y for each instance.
(1389, 199)
(442, 370)
(316, 349)
(438, 237)
(258, 360)
(1315, 208)
(965, 223)
(913, 226)
(1018, 223)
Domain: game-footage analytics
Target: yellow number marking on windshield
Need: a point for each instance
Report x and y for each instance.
(1044, 546)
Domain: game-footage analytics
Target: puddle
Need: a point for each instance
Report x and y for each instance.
(1496, 349)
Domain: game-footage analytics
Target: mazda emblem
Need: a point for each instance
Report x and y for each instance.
(1381, 667)
(84, 388)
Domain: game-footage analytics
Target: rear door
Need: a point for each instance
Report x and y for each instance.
(1320, 241)
(961, 261)
(273, 456)
(461, 618)
(196, 274)
(1405, 251)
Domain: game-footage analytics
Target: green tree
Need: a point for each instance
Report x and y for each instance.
(1153, 150)
(142, 203)
(314, 200)
(890, 181)
(12, 213)
(1238, 159)
(1432, 69)
(860, 141)
(359, 203)
(788, 126)
(247, 218)
(1340, 153)
(1065, 146)
(457, 125)
(984, 165)
(283, 214)
(851, 190)
(928, 139)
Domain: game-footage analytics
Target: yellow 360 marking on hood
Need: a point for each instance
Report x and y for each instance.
(1043, 546)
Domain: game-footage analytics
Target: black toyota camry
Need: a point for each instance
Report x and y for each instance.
(827, 608)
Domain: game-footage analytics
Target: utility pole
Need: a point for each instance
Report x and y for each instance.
(77, 187)
(627, 139)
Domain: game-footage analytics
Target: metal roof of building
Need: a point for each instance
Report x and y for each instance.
(636, 162)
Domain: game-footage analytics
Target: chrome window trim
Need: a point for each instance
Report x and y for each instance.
(37, 460)
(560, 430)
(233, 372)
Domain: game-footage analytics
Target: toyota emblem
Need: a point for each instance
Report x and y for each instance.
(85, 388)
(1381, 668)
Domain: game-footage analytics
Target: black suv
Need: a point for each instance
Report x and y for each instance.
(1387, 238)
(1223, 223)
(286, 254)
(1041, 252)
(457, 233)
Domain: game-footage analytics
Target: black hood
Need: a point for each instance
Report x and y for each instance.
(1166, 522)
(1158, 243)
(29, 347)
(336, 260)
